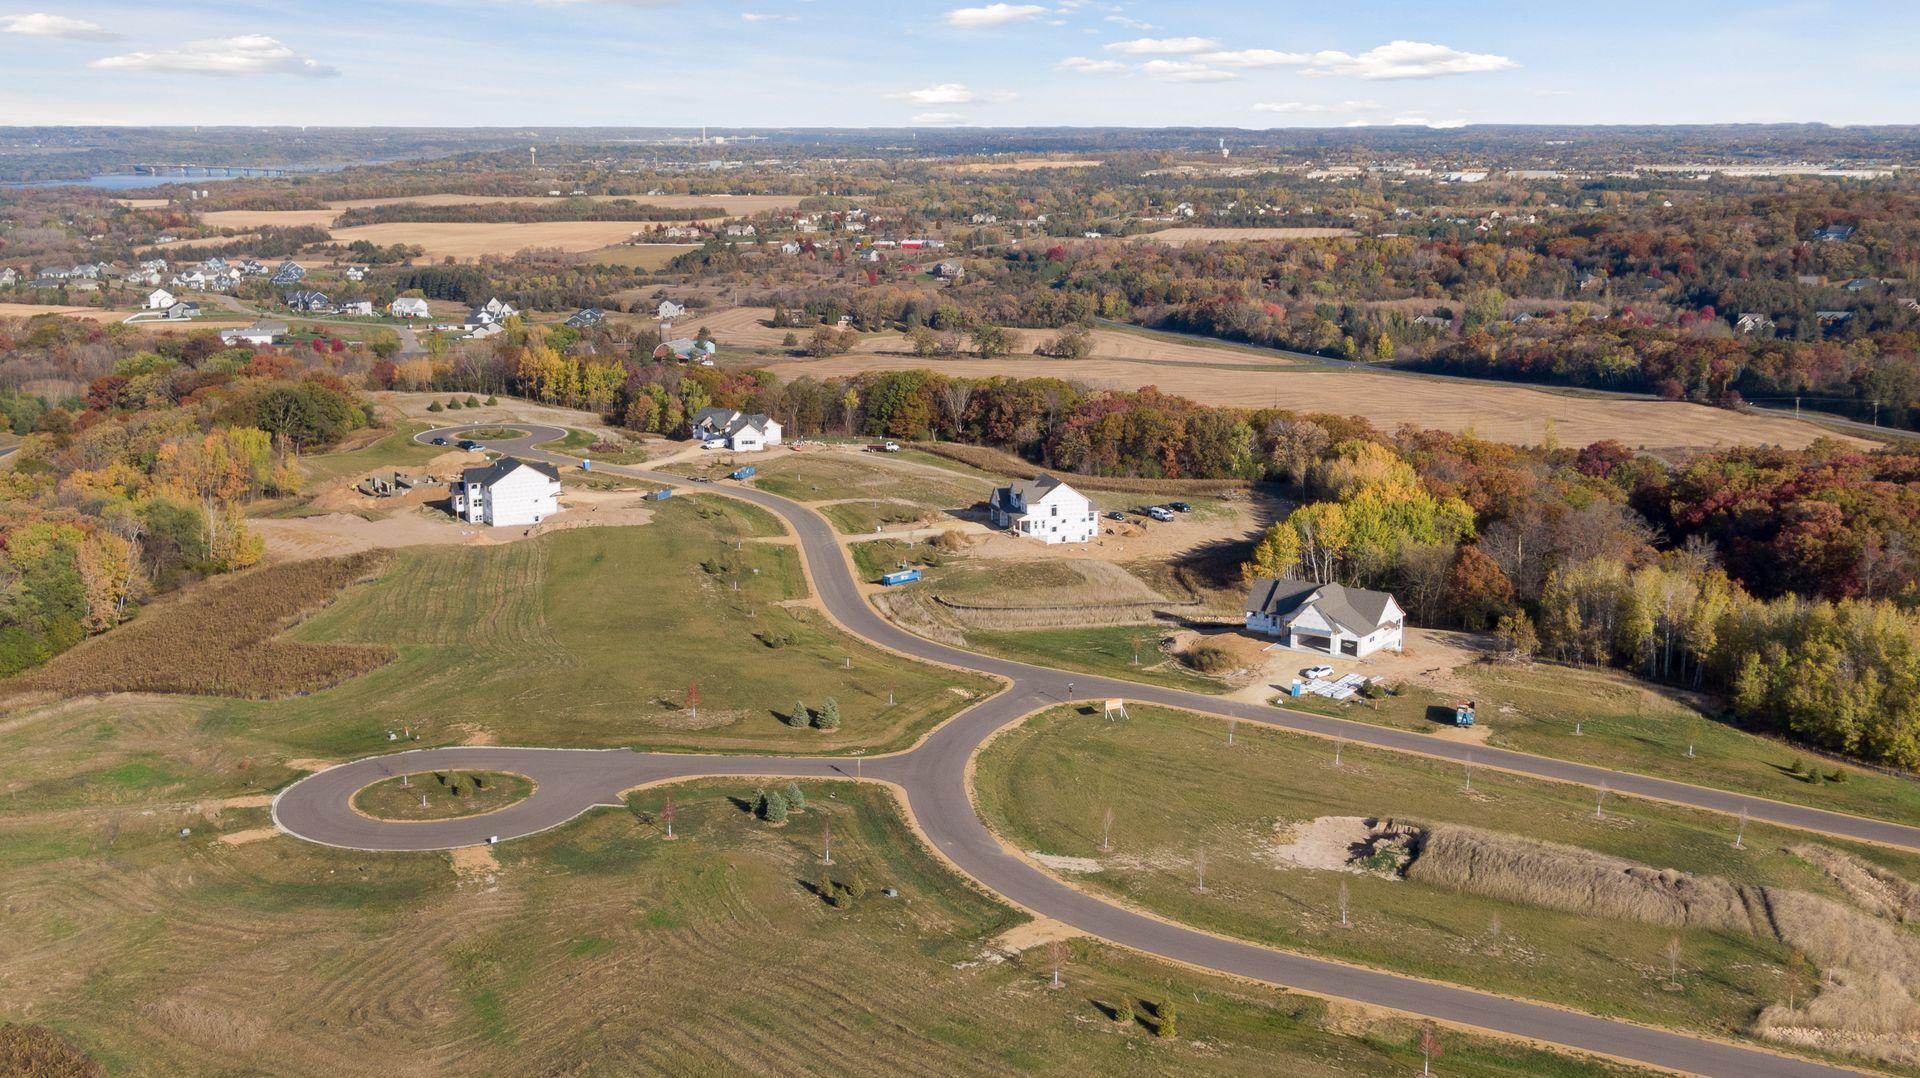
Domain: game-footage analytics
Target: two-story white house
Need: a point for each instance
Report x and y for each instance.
(160, 299)
(1327, 619)
(743, 433)
(1046, 509)
(507, 492)
(409, 307)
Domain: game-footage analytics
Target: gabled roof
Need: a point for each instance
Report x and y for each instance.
(1357, 610)
(505, 466)
(1015, 497)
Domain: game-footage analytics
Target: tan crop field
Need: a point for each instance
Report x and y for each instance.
(464, 240)
(1024, 164)
(1180, 237)
(647, 256)
(1496, 411)
(321, 218)
(29, 310)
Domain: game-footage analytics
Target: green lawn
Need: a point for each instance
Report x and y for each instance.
(579, 443)
(862, 518)
(394, 450)
(442, 795)
(1177, 788)
(1107, 649)
(600, 947)
(1630, 725)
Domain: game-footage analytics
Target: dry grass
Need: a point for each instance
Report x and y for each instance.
(1181, 237)
(1869, 886)
(219, 639)
(1023, 164)
(39, 1052)
(470, 240)
(1869, 1007)
(993, 460)
(1495, 411)
(29, 310)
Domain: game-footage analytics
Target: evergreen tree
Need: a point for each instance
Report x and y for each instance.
(774, 808)
(828, 717)
(796, 800)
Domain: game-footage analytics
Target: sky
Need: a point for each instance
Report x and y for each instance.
(872, 63)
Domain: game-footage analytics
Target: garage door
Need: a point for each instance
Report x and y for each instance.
(1316, 643)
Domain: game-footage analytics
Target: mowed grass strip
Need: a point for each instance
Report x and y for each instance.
(1181, 795)
(601, 947)
(442, 795)
(220, 638)
(1610, 719)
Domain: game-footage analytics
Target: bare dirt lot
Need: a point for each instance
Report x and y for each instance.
(1180, 237)
(1499, 412)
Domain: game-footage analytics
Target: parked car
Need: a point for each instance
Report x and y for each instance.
(469, 444)
(714, 443)
(439, 441)
(1115, 514)
(1159, 513)
(1317, 672)
(1180, 507)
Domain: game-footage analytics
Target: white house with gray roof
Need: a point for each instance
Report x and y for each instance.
(1327, 619)
(509, 492)
(1044, 508)
(743, 433)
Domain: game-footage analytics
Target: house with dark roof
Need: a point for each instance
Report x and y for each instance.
(1044, 508)
(1833, 233)
(586, 318)
(289, 273)
(742, 433)
(1328, 619)
(508, 492)
(306, 300)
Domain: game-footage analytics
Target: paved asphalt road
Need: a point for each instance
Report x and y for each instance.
(933, 775)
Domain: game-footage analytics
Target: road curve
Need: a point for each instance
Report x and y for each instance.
(933, 776)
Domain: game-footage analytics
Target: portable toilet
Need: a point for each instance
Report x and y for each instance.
(586, 466)
(1296, 688)
(1463, 714)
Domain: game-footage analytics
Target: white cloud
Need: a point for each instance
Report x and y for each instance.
(39, 24)
(1131, 24)
(1256, 58)
(952, 93)
(973, 18)
(940, 119)
(1550, 93)
(1422, 121)
(1086, 65)
(248, 54)
(1300, 107)
(761, 16)
(1184, 71)
(1163, 46)
(1406, 60)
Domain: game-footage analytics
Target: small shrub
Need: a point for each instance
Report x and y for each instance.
(1836, 776)
(453, 403)
(828, 717)
(436, 406)
(774, 638)
(1208, 659)
(799, 716)
(1164, 1016)
(1123, 1013)
(790, 340)
(796, 800)
(473, 401)
(856, 888)
(773, 807)
(491, 399)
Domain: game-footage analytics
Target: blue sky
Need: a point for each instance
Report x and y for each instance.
(859, 63)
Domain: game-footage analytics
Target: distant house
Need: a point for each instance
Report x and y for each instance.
(9, 276)
(494, 310)
(684, 349)
(1433, 321)
(669, 310)
(363, 307)
(586, 318)
(949, 270)
(181, 309)
(791, 247)
(742, 230)
(356, 273)
(507, 493)
(1044, 508)
(160, 299)
(409, 307)
(289, 273)
(1833, 234)
(743, 433)
(306, 300)
(1753, 322)
(1326, 618)
(247, 267)
(1859, 284)
(1829, 318)
(259, 335)
(871, 255)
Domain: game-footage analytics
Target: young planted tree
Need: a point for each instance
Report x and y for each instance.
(1106, 830)
(1057, 954)
(828, 717)
(796, 800)
(799, 716)
(826, 843)
(693, 698)
(667, 812)
(1164, 1018)
(1673, 962)
(1200, 868)
(1345, 895)
(773, 807)
(1429, 1047)
(1494, 934)
(1740, 834)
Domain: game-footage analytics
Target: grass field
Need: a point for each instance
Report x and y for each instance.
(1177, 789)
(396, 449)
(1631, 726)
(469, 240)
(599, 948)
(1496, 411)
(442, 795)
(1106, 649)
(645, 256)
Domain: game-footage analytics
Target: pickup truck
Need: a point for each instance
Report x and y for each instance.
(884, 447)
(1159, 513)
